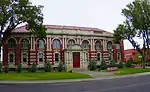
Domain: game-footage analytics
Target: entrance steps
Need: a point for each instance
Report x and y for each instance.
(79, 69)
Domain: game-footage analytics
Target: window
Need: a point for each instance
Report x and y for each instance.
(56, 57)
(24, 43)
(41, 44)
(118, 56)
(85, 44)
(97, 45)
(117, 46)
(71, 42)
(11, 43)
(41, 56)
(24, 57)
(56, 44)
(109, 45)
(11, 57)
(98, 56)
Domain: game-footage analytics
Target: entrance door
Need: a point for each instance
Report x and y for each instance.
(76, 59)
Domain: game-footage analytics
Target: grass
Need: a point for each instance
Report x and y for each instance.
(125, 71)
(42, 76)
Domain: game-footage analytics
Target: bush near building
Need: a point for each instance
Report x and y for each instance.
(103, 64)
(120, 65)
(47, 67)
(19, 68)
(92, 65)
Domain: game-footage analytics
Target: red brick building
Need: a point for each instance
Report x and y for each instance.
(130, 53)
(76, 46)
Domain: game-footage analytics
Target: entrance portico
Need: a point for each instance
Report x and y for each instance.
(76, 57)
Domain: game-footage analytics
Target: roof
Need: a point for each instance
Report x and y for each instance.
(23, 28)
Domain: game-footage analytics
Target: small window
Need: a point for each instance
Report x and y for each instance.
(97, 45)
(11, 57)
(117, 46)
(41, 44)
(41, 57)
(71, 42)
(85, 44)
(11, 43)
(98, 56)
(24, 43)
(25, 57)
(109, 45)
(56, 57)
(118, 56)
(56, 44)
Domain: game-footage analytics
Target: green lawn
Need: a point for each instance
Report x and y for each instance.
(125, 71)
(42, 76)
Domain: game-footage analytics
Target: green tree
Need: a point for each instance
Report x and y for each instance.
(129, 62)
(112, 63)
(137, 24)
(1, 65)
(60, 67)
(33, 67)
(19, 68)
(47, 67)
(92, 65)
(120, 65)
(103, 64)
(16, 12)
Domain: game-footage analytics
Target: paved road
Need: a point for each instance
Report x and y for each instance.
(132, 84)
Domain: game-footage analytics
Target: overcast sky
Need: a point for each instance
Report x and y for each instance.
(103, 14)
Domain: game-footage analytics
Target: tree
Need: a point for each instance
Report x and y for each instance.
(33, 68)
(137, 24)
(112, 63)
(16, 12)
(120, 65)
(103, 64)
(19, 68)
(92, 65)
(47, 67)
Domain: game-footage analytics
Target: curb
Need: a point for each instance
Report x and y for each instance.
(73, 80)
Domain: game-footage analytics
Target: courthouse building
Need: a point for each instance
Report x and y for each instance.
(75, 46)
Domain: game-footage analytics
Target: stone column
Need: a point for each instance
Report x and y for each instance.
(31, 43)
(47, 42)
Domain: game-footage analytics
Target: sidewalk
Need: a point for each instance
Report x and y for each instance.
(73, 80)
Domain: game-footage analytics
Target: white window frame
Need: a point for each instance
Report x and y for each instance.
(22, 57)
(118, 55)
(39, 57)
(58, 57)
(9, 58)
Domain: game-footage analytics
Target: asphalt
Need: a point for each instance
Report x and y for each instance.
(127, 83)
(139, 83)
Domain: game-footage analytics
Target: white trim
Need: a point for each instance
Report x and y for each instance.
(22, 58)
(13, 58)
(11, 38)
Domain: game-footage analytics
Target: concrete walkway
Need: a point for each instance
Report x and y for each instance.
(95, 74)
(73, 80)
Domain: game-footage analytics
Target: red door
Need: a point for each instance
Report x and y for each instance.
(76, 59)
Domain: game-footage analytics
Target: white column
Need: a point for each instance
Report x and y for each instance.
(34, 43)
(93, 44)
(50, 43)
(47, 43)
(31, 43)
(63, 44)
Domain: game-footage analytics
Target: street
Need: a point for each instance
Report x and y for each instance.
(132, 84)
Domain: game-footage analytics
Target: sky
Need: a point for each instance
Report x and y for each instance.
(103, 14)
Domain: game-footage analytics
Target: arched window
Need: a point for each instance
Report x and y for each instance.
(11, 43)
(56, 44)
(109, 45)
(71, 42)
(24, 43)
(97, 45)
(85, 44)
(41, 44)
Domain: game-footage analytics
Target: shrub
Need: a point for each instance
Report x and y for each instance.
(6, 69)
(99, 67)
(120, 65)
(33, 67)
(1, 67)
(47, 67)
(19, 68)
(92, 65)
(103, 64)
(112, 63)
(60, 67)
(129, 62)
